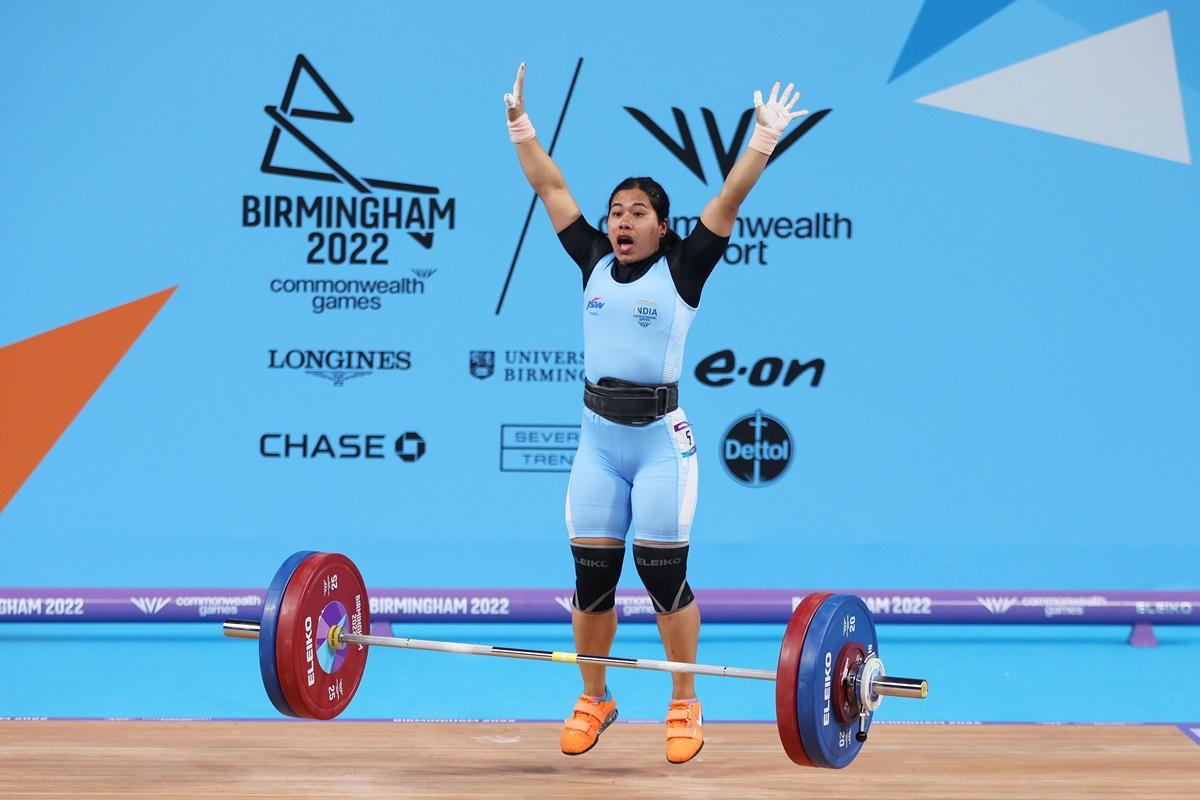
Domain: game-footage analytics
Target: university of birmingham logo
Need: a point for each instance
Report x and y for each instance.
(483, 363)
(689, 155)
(285, 116)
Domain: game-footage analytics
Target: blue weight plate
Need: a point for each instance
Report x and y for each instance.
(268, 627)
(841, 619)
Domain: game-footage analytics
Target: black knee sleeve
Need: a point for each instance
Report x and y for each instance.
(597, 569)
(664, 573)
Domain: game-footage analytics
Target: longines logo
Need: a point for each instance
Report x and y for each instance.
(339, 366)
(529, 366)
(720, 368)
(343, 230)
(818, 225)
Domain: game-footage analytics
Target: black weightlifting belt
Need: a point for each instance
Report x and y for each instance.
(623, 401)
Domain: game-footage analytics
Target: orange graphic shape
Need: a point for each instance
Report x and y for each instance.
(46, 380)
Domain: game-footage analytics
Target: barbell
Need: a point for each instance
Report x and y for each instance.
(829, 680)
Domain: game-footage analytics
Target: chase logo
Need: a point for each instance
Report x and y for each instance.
(645, 313)
(410, 446)
(594, 305)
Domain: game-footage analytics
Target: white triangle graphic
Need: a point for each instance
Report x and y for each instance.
(1119, 88)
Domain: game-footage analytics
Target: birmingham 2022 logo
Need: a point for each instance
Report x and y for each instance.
(350, 229)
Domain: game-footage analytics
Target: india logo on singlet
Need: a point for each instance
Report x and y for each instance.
(645, 312)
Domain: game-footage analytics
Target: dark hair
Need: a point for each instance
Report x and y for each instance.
(658, 196)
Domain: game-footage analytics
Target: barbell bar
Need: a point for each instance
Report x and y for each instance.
(879, 684)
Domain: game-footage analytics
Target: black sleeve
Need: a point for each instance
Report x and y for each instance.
(585, 245)
(693, 260)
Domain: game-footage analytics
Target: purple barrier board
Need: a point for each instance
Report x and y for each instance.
(934, 607)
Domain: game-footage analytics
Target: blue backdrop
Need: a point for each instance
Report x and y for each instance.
(979, 258)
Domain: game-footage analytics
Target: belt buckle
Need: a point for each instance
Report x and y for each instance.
(662, 395)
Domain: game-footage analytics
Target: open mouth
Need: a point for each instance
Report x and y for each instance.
(624, 245)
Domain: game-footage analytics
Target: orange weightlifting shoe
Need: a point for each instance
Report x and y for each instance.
(685, 730)
(588, 720)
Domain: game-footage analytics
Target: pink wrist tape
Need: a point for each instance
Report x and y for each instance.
(763, 140)
(521, 129)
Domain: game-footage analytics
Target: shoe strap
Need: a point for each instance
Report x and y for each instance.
(680, 721)
(587, 706)
(577, 724)
(678, 715)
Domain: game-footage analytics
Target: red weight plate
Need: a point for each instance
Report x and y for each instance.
(785, 678)
(325, 590)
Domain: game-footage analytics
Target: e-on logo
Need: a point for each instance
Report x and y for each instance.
(756, 450)
(713, 370)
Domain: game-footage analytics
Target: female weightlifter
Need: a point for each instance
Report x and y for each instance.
(636, 461)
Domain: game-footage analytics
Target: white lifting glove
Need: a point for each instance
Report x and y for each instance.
(519, 129)
(772, 117)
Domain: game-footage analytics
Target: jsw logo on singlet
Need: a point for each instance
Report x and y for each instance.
(594, 305)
